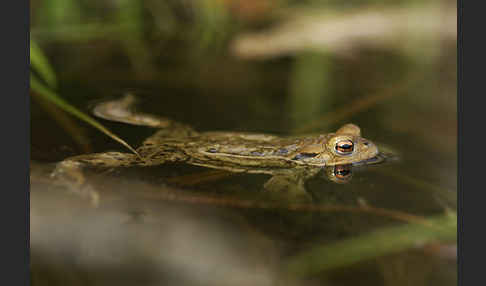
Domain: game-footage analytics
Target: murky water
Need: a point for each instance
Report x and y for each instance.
(185, 225)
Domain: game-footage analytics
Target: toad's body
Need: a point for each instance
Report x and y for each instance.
(235, 152)
(177, 142)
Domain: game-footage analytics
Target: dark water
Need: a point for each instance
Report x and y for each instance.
(404, 103)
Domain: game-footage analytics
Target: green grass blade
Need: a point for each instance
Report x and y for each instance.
(40, 64)
(372, 245)
(46, 93)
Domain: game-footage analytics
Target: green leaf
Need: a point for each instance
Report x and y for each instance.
(46, 93)
(41, 65)
(372, 245)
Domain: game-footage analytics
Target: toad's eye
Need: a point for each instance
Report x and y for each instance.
(343, 172)
(345, 147)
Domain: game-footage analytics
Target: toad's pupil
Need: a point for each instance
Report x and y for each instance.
(344, 147)
(342, 173)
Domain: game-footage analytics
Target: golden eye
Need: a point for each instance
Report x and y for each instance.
(343, 172)
(345, 147)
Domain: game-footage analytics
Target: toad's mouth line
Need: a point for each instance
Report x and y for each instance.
(379, 158)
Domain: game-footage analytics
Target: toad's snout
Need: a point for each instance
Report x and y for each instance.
(367, 149)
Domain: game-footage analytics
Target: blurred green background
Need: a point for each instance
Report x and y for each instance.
(272, 66)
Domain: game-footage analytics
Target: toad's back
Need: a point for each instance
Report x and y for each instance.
(176, 142)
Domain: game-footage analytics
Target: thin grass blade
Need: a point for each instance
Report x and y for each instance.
(45, 92)
(372, 245)
(40, 64)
